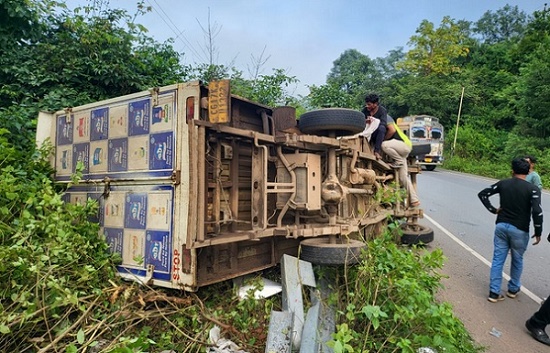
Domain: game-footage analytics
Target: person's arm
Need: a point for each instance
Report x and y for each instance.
(537, 181)
(536, 213)
(484, 197)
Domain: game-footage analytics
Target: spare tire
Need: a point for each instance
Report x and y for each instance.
(414, 234)
(340, 121)
(319, 251)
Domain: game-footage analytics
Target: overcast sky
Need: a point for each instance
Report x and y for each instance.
(303, 37)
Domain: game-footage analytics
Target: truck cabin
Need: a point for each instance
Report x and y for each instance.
(421, 128)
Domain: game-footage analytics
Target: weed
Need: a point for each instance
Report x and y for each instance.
(387, 304)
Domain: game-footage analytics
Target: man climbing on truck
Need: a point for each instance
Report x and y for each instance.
(397, 146)
(373, 109)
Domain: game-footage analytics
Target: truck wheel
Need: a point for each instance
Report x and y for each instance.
(341, 121)
(430, 167)
(416, 234)
(319, 251)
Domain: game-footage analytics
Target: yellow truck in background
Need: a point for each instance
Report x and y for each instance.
(196, 185)
(423, 129)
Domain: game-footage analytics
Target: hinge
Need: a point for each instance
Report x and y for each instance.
(154, 96)
(68, 112)
(176, 177)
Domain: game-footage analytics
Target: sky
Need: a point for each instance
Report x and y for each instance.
(302, 37)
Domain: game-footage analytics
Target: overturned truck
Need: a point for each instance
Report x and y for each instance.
(196, 185)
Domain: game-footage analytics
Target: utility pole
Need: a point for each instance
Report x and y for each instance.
(457, 121)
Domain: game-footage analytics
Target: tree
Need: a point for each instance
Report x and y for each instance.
(20, 22)
(20, 27)
(538, 28)
(494, 74)
(388, 67)
(355, 74)
(505, 24)
(352, 76)
(432, 95)
(351, 70)
(60, 59)
(330, 95)
(268, 90)
(494, 66)
(210, 33)
(534, 93)
(434, 49)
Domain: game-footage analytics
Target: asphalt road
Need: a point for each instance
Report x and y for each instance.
(464, 231)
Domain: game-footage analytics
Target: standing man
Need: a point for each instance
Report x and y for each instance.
(533, 177)
(538, 321)
(373, 109)
(519, 200)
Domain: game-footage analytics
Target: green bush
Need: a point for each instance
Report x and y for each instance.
(494, 170)
(387, 304)
(53, 259)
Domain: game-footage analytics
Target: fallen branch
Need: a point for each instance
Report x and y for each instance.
(73, 326)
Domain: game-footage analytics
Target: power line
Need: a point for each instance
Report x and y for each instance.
(178, 33)
(174, 28)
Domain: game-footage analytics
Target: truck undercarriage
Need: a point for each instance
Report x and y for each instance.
(196, 186)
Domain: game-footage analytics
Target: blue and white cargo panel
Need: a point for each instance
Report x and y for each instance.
(126, 139)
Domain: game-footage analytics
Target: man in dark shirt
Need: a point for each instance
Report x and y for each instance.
(375, 110)
(519, 200)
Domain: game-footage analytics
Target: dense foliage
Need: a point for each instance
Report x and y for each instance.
(387, 304)
(501, 61)
(54, 263)
(52, 59)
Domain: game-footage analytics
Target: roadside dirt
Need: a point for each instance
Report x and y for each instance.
(466, 288)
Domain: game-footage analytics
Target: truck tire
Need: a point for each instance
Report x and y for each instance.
(319, 251)
(430, 167)
(340, 121)
(414, 234)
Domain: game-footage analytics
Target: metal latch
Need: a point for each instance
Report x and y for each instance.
(68, 112)
(107, 187)
(149, 275)
(154, 96)
(176, 177)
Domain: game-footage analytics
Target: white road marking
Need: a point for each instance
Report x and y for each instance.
(481, 258)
